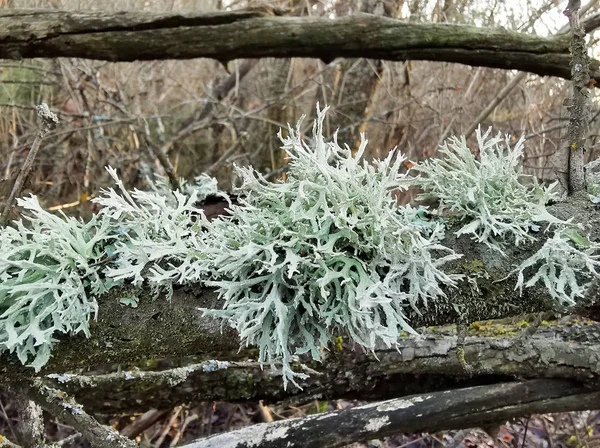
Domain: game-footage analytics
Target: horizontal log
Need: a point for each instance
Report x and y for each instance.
(493, 351)
(456, 409)
(130, 36)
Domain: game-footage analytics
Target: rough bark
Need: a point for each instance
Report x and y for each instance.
(494, 352)
(456, 409)
(129, 36)
(578, 108)
(30, 424)
(63, 407)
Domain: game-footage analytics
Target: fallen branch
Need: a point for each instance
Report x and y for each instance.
(494, 352)
(462, 408)
(129, 36)
(63, 407)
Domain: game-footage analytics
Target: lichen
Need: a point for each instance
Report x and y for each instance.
(327, 254)
(486, 191)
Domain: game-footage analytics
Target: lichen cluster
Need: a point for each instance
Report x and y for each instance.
(327, 252)
(486, 192)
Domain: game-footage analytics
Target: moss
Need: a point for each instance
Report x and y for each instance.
(338, 343)
(474, 266)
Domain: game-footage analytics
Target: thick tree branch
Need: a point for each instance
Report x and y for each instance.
(455, 409)
(494, 352)
(256, 34)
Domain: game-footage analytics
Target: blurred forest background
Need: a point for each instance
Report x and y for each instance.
(205, 116)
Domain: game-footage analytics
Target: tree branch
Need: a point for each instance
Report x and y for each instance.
(578, 108)
(494, 352)
(59, 404)
(255, 34)
(462, 408)
(158, 329)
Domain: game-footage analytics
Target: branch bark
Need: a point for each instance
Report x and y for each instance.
(494, 352)
(454, 409)
(256, 34)
(578, 108)
(69, 411)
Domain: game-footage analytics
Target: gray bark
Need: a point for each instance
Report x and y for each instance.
(496, 352)
(129, 36)
(578, 108)
(451, 409)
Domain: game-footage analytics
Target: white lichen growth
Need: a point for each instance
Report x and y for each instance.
(327, 251)
(212, 365)
(48, 279)
(53, 269)
(565, 264)
(162, 233)
(487, 191)
(593, 180)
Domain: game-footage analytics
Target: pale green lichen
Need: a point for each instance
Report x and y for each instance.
(53, 269)
(49, 277)
(486, 191)
(327, 252)
(564, 265)
(593, 180)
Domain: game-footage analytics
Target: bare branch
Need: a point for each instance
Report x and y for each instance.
(462, 408)
(254, 34)
(59, 404)
(578, 107)
(48, 121)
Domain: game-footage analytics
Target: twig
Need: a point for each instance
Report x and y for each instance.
(167, 428)
(525, 433)
(48, 121)
(457, 439)
(30, 424)
(172, 377)
(575, 429)
(5, 443)
(68, 439)
(578, 109)
(10, 426)
(65, 408)
(163, 158)
(143, 422)
(18, 81)
(497, 100)
(550, 440)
